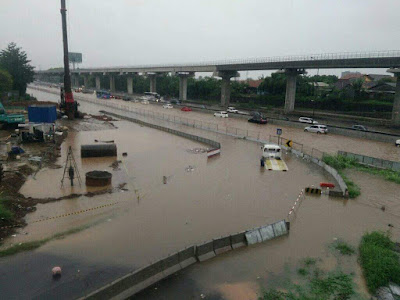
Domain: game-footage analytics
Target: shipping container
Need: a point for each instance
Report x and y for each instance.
(42, 113)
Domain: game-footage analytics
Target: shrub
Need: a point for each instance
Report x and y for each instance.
(379, 262)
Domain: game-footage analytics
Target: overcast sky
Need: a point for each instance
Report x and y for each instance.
(131, 32)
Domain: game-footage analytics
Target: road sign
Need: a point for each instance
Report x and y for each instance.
(75, 57)
(289, 143)
(279, 131)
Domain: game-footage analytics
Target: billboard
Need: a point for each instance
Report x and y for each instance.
(75, 57)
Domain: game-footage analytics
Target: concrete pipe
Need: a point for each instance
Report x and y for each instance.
(99, 150)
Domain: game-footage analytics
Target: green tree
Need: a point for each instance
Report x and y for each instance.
(357, 86)
(6, 81)
(15, 61)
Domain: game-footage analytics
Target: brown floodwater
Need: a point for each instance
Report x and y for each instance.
(226, 194)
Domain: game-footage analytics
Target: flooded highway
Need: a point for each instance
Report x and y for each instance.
(214, 197)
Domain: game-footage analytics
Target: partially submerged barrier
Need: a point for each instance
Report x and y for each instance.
(136, 281)
(193, 137)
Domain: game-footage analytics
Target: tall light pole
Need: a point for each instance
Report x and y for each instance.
(69, 97)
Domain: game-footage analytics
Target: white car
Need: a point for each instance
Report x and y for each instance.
(307, 120)
(145, 102)
(316, 128)
(232, 110)
(221, 114)
(397, 143)
(167, 106)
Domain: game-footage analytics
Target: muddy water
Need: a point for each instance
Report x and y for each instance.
(327, 143)
(223, 195)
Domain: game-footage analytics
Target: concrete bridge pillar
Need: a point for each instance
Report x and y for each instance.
(86, 81)
(129, 82)
(183, 84)
(98, 85)
(153, 83)
(396, 102)
(112, 83)
(290, 97)
(226, 85)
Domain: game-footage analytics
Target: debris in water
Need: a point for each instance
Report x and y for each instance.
(115, 165)
(197, 150)
(110, 142)
(189, 169)
(124, 154)
(56, 272)
(165, 179)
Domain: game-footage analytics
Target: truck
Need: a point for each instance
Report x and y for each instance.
(10, 119)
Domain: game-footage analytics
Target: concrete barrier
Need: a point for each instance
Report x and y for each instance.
(253, 236)
(170, 264)
(280, 228)
(267, 233)
(187, 257)
(238, 240)
(205, 251)
(222, 245)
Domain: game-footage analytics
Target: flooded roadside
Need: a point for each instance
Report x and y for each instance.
(223, 195)
(329, 143)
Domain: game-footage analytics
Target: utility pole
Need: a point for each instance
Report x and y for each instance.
(69, 97)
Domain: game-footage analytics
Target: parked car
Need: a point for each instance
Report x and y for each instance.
(397, 143)
(167, 106)
(307, 120)
(232, 110)
(258, 120)
(316, 128)
(221, 114)
(359, 127)
(186, 108)
(145, 102)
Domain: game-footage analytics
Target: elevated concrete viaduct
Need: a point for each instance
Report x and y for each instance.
(291, 65)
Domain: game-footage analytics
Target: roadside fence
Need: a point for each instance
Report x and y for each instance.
(373, 161)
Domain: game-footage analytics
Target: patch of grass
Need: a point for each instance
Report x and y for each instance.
(344, 248)
(302, 271)
(379, 262)
(309, 261)
(5, 213)
(333, 285)
(36, 244)
(340, 162)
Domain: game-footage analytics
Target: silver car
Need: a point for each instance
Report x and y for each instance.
(316, 128)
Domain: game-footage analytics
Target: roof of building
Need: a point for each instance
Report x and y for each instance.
(254, 83)
(377, 77)
(351, 75)
(319, 84)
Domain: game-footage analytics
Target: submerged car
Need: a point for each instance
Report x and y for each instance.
(258, 120)
(145, 102)
(186, 108)
(221, 114)
(397, 143)
(307, 120)
(167, 106)
(316, 128)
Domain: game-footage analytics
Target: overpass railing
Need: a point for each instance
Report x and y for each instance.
(272, 59)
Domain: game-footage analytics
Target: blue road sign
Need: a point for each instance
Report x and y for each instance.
(279, 131)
